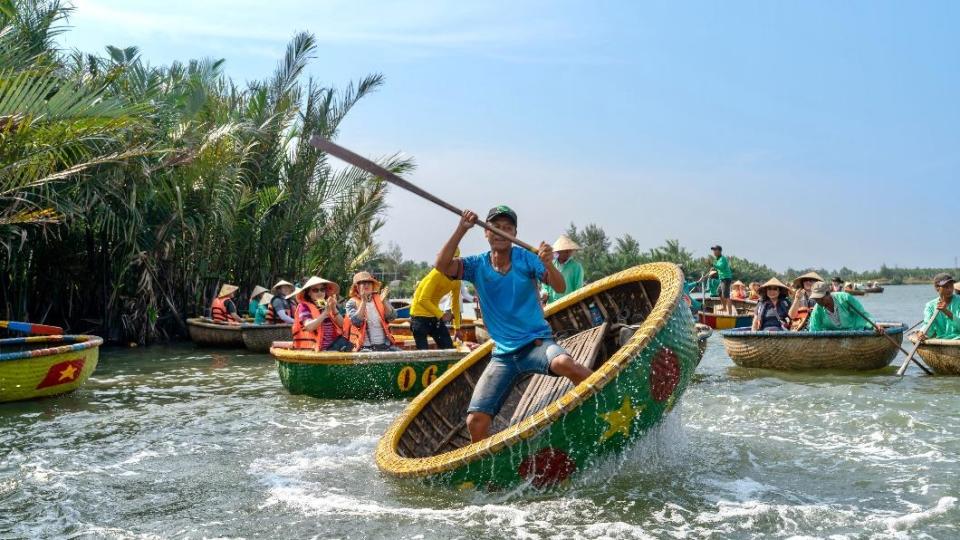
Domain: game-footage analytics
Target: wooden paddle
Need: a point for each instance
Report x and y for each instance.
(916, 347)
(361, 162)
(904, 351)
(32, 328)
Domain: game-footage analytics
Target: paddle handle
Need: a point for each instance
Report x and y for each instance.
(880, 330)
(916, 347)
(363, 163)
(32, 328)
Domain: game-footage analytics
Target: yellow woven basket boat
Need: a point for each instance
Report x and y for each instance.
(41, 366)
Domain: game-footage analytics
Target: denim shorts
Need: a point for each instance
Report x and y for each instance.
(497, 379)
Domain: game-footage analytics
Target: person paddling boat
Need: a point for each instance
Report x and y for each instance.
(506, 278)
(836, 311)
(426, 317)
(941, 316)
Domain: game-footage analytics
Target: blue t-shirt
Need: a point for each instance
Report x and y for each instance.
(511, 301)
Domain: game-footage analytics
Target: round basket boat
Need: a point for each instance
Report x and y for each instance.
(703, 333)
(360, 375)
(942, 355)
(549, 430)
(206, 333)
(260, 337)
(858, 350)
(41, 366)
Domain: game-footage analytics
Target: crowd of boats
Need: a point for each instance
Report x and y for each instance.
(636, 330)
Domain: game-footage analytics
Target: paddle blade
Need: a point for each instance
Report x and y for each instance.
(32, 328)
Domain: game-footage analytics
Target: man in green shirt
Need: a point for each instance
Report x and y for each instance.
(571, 270)
(836, 310)
(943, 311)
(721, 269)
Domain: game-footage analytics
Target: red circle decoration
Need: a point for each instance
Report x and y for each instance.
(664, 374)
(547, 467)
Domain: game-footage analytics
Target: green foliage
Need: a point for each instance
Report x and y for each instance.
(129, 192)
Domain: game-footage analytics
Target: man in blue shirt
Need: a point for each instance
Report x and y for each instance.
(506, 279)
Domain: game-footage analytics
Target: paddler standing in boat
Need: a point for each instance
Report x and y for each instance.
(281, 309)
(944, 311)
(223, 310)
(836, 310)
(426, 317)
(570, 269)
(721, 269)
(506, 278)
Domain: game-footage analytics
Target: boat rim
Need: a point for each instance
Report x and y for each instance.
(889, 327)
(207, 323)
(77, 342)
(306, 356)
(670, 278)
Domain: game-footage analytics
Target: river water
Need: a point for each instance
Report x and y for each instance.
(172, 442)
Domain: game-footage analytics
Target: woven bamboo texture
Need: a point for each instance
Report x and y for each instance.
(429, 440)
(797, 351)
(206, 333)
(42, 366)
(260, 337)
(942, 355)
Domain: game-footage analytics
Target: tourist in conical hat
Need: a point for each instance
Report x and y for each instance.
(318, 322)
(564, 249)
(263, 305)
(802, 304)
(738, 291)
(941, 317)
(771, 314)
(255, 299)
(367, 325)
(754, 291)
(223, 309)
(281, 309)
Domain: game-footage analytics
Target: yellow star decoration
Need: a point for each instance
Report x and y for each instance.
(620, 419)
(68, 373)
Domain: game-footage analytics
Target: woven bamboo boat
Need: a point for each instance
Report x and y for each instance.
(703, 333)
(41, 366)
(260, 337)
(942, 355)
(548, 430)
(858, 350)
(877, 289)
(206, 333)
(360, 375)
(721, 321)
(400, 329)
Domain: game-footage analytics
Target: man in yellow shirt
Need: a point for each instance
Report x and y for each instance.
(426, 317)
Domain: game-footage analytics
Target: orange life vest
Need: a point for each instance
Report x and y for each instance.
(273, 318)
(218, 311)
(310, 339)
(358, 334)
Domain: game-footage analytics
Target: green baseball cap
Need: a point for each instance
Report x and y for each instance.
(502, 210)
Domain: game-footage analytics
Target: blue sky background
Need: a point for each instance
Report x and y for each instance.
(803, 134)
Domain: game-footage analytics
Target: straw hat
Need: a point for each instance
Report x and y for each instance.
(564, 243)
(313, 282)
(258, 290)
(365, 276)
(774, 282)
(226, 290)
(265, 299)
(281, 283)
(738, 283)
(797, 283)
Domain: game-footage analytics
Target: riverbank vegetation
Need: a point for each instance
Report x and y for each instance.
(129, 192)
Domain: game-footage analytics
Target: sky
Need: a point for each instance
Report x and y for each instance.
(800, 134)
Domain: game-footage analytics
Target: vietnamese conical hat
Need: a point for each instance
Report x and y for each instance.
(281, 283)
(774, 282)
(564, 243)
(265, 299)
(737, 283)
(258, 290)
(313, 282)
(797, 283)
(226, 289)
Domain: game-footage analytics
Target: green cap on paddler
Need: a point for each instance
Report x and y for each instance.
(502, 210)
(942, 279)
